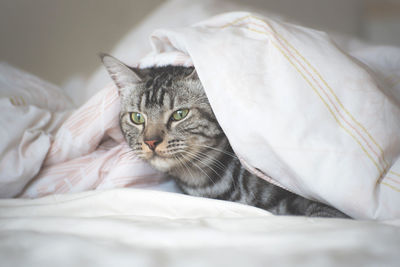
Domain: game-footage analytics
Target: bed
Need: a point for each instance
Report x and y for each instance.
(327, 128)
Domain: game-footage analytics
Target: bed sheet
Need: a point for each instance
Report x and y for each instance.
(132, 227)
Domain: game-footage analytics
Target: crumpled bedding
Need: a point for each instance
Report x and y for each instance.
(31, 112)
(130, 227)
(297, 110)
(49, 147)
(46, 151)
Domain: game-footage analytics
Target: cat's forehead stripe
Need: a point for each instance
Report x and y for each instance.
(154, 98)
(160, 87)
(141, 101)
(147, 99)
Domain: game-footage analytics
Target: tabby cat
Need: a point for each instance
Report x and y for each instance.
(167, 121)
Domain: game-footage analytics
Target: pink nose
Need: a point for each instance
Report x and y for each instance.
(152, 143)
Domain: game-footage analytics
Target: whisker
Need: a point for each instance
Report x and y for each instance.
(197, 166)
(129, 152)
(198, 158)
(217, 163)
(184, 165)
(219, 150)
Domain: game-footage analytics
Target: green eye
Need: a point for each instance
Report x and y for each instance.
(137, 118)
(179, 114)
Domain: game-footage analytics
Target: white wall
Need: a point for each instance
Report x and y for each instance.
(55, 39)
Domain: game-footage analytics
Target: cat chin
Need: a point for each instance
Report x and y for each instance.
(162, 164)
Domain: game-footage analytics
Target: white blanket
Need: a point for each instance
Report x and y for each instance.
(126, 227)
(297, 109)
(31, 111)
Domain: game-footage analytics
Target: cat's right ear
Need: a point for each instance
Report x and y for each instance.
(122, 75)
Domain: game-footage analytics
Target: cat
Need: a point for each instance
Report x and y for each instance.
(167, 120)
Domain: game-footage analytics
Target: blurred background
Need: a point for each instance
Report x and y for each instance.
(59, 39)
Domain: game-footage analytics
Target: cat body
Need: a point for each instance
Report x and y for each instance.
(167, 121)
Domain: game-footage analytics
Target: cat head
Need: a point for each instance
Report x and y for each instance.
(165, 115)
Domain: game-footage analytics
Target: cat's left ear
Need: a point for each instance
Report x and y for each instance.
(122, 75)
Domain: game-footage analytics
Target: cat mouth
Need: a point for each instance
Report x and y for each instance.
(162, 161)
(159, 155)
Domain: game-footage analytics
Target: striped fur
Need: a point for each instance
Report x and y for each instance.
(194, 151)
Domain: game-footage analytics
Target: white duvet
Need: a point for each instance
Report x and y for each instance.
(317, 117)
(127, 227)
(298, 109)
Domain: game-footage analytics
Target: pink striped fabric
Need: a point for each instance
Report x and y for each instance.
(89, 152)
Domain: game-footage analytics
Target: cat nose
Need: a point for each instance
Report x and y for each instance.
(152, 143)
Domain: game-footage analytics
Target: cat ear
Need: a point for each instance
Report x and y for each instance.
(122, 75)
(192, 75)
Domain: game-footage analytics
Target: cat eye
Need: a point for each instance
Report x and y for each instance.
(137, 118)
(179, 114)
